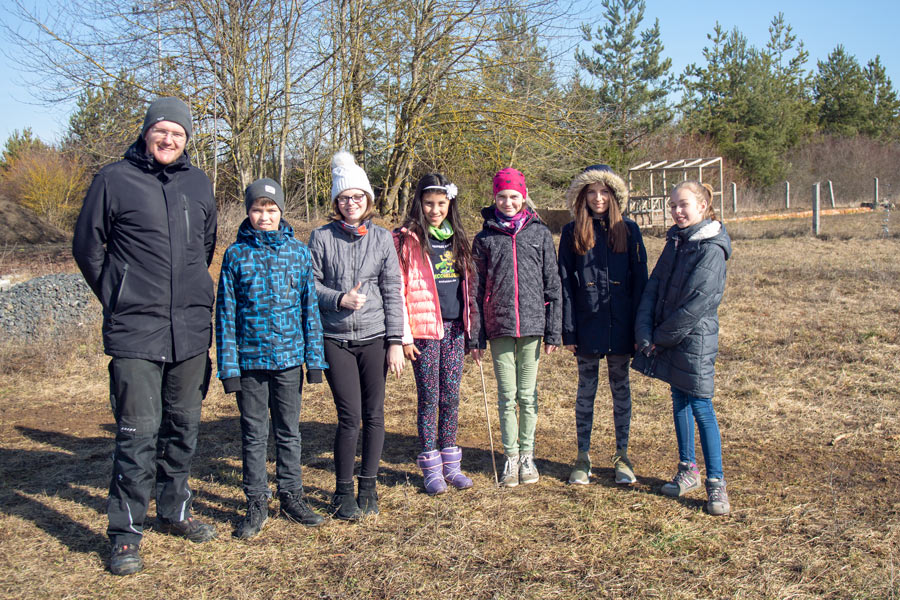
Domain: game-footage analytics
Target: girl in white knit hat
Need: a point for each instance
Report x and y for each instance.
(358, 283)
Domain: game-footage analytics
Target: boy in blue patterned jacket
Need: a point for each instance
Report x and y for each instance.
(267, 326)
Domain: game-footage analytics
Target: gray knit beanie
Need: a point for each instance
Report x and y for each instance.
(264, 188)
(168, 109)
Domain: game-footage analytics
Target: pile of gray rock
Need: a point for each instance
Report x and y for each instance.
(46, 305)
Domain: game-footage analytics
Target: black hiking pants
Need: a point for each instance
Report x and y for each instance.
(157, 410)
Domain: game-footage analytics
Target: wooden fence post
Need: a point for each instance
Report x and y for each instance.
(815, 211)
(734, 197)
(831, 192)
(787, 194)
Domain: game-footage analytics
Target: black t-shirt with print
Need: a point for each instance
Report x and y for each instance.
(447, 279)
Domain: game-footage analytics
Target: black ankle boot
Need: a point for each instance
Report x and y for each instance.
(343, 504)
(368, 497)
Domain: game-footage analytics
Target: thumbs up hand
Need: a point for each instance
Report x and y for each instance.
(353, 299)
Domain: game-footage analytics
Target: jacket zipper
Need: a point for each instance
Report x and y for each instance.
(516, 282)
(187, 219)
(121, 287)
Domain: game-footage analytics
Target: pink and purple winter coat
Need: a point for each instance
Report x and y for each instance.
(518, 288)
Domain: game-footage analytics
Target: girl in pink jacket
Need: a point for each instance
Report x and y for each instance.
(436, 264)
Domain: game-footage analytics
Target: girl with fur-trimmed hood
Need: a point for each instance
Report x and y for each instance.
(603, 269)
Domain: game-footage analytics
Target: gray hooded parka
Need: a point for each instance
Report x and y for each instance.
(679, 309)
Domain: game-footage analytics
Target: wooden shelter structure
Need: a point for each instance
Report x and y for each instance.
(650, 182)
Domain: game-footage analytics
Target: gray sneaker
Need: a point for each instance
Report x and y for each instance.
(581, 470)
(623, 468)
(510, 477)
(718, 497)
(686, 479)
(528, 472)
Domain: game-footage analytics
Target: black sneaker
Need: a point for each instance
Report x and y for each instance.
(295, 509)
(125, 559)
(253, 521)
(191, 528)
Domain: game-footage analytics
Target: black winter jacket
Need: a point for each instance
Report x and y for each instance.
(518, 286)
(143, 241)
(601, 290)
(679, 309)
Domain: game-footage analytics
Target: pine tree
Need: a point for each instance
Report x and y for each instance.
(883, 104)
(633, 78)
(840, 94)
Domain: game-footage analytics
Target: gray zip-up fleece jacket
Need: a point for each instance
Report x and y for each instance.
(518, 287)
(340, 261)
(679, 309)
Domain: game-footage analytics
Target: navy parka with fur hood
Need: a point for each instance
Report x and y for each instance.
(601, 290)
(679, 309)
(143, 241)
(518, 287)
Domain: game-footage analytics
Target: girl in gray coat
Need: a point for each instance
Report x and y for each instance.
(677, 333)
(358, 284)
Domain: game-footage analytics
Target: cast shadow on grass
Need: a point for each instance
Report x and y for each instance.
(397, 460)
(61, 474)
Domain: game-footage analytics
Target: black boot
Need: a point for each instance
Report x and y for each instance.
(368, 497)
(255, 519)
(294, 508)
(343, 504)
(125, 559)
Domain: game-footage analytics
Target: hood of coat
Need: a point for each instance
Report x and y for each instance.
(137, 154)
(607, 178)
(256, 237)
(490, 219)
(706, 231)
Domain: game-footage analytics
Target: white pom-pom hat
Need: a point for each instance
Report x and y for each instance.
(347, 175)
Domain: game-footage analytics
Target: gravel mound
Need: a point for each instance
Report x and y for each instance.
(46, 304)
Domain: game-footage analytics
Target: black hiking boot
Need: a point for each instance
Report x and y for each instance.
(125, 559)
(255, 519)
(297, 510)
(192, 529)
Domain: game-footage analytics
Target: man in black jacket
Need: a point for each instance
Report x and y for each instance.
(143, 241)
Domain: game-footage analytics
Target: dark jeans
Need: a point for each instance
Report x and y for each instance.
(157, 410)
(687, 408)
(278, 392)
(356, 375)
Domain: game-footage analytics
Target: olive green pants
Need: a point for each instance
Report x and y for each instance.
(515, 368)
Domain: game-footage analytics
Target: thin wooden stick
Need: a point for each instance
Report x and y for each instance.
(487, 417)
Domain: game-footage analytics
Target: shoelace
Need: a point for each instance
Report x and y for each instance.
(683, 478)
(528, 463)
(509, 468)
(716, 494)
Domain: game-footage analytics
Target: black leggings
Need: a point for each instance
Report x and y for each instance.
(356, 375)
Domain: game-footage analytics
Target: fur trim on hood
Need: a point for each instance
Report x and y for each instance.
(608, 178)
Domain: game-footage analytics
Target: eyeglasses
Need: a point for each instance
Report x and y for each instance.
(356, 199)
(162, 133)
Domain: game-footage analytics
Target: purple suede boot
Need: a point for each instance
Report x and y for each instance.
(430, 463)
(452, 473)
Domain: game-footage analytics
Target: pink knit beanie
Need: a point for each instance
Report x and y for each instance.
(510, 179)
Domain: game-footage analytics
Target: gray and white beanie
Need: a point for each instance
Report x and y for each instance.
(264, 188)
(347, 175)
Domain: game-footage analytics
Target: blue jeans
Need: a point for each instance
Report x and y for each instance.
(686, 408)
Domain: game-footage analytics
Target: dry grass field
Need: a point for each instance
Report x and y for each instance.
(807, 398)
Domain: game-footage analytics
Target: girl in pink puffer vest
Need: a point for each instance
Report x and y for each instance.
(438, 308)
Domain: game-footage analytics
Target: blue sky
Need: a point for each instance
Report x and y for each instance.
(866, 28)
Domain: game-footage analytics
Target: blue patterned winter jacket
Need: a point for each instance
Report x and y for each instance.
(267, 311)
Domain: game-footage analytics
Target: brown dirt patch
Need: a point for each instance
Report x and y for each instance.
(18, 225)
